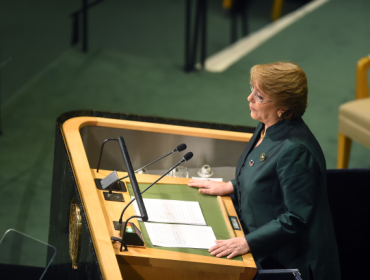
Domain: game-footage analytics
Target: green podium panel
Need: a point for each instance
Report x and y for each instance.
(209, 205)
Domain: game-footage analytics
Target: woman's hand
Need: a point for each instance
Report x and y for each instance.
(212, 187)
(231, 248)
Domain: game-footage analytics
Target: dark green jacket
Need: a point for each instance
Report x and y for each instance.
(283, 200)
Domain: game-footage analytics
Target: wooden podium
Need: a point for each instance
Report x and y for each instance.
(81, 220)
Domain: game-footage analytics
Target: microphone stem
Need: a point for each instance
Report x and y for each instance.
(154, 161)
(132, 200)
(137, 170)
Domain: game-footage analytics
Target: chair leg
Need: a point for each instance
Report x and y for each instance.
(276, 9)
(344, 147)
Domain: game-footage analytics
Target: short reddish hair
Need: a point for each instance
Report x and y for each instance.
(285, 83)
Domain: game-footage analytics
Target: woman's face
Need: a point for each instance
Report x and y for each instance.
(262, 108)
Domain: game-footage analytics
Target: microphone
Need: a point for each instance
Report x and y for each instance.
(186, 157)
(179, 148)
(111, 179)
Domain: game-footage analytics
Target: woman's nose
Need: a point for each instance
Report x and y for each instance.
(250, 97)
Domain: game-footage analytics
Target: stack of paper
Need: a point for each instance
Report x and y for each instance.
(181, 236)
(172, 211)
(193, 235)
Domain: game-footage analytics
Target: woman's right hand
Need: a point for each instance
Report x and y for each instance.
(212, 187)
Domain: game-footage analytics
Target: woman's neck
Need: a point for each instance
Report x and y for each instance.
(271, 123)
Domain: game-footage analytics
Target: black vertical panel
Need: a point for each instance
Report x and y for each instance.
(64, 189)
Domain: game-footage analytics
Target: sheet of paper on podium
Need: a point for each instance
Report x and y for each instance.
(172, 211)
(181, 236)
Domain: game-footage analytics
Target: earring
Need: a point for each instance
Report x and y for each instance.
(279, 114)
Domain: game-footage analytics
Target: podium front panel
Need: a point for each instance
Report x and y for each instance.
(99, 257)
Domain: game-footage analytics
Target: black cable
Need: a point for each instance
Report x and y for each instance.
(123, 243)
(132, 200)
(186, 157)
(101, 151)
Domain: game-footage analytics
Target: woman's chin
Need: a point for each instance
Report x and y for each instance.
(253, 115)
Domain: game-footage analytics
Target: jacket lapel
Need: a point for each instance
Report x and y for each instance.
(249, 146)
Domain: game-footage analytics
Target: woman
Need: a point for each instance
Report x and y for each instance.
(280, 184)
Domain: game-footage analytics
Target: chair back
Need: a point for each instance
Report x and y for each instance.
(362, 85)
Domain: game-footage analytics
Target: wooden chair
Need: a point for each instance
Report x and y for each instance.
(354, 116)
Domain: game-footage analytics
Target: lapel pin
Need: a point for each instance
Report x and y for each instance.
(262, 156)
(251, 162)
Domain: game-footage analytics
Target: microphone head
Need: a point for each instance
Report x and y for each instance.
(180, 147)
(188, 156)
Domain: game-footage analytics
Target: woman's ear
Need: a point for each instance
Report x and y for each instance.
(280, 113)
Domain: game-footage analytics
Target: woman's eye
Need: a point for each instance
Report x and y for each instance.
(259, 97)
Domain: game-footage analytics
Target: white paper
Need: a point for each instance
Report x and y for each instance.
(172, 211)
(210, 179)
(181, 236)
